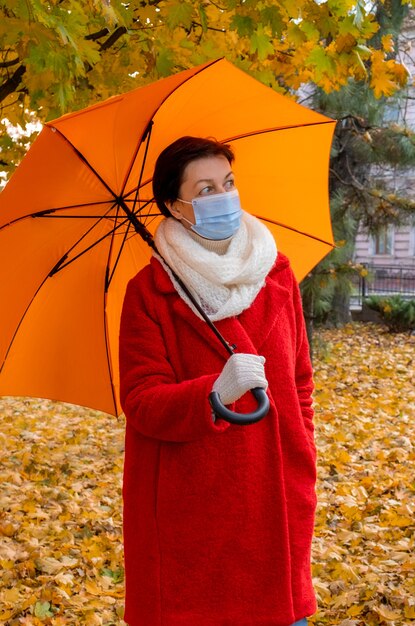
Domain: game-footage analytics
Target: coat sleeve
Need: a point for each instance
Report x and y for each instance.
(303, 367)
(154, 402)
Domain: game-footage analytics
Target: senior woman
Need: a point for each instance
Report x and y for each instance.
(218, 517)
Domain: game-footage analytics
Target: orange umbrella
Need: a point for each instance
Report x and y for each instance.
(70, 214)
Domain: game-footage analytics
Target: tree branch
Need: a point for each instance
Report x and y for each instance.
(12, 83)
(218, 30)
(343, 182)
(217, 6)
(97, 35)
(118, 32)
(4, 64)
(357, 183)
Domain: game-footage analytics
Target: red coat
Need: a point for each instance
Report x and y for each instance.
(218, 518)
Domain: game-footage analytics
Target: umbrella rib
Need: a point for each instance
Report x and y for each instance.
(140, 210)
(60, 265)
(108, 282)
(117, 198)
(48, 212)
(53, 271)
(21, 321)
(107, 346)
(78, 217)
(144, 217)
(275, 129)
(145, 136)
(295, 230)
(151, 120)
(252, 134)
(148, 135)
(87, 163)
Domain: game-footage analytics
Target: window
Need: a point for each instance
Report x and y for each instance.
(382, 242)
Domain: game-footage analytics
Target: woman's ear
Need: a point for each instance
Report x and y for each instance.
(173, 209)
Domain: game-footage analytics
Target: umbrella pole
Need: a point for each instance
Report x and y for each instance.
(146, 235)
(229, 348)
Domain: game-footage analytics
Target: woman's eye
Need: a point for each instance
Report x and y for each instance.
(230, 184)
(206, 190)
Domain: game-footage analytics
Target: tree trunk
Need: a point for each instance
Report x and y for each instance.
(341, 307)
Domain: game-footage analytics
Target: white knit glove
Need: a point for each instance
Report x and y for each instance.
(241, 373)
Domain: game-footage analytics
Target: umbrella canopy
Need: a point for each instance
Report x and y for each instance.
(68, 244)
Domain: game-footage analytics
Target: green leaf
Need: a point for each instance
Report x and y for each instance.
(180, 14)
(63, 33)
(42, 610)
(206, 50)
(293, 8)
(63, 95)
(338, 7)
(271, 16)
(360, 13)
(231, 4)
(359, 60)
(347, 26)
(267, 77)
(203, 17)
(261, 44)
(243, 24)
(187, 43)
(363, 50)
(164, 62)
(117, 575)
(295, 35)
(310, 29)
(323, 63)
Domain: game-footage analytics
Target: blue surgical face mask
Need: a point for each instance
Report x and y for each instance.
(217, 216)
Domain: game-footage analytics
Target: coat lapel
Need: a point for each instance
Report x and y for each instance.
(259, 320)
(249, 330)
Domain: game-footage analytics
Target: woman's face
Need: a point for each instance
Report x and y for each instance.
(202, 177)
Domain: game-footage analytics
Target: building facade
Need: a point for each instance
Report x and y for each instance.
(395, 246)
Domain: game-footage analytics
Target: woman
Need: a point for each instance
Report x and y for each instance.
(218, 517)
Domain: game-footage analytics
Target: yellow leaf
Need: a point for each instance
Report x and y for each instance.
(387, 612)
(7, 529)
(388, 43)
(5, 615)
(345, 43)
(355, 610)
(343, 456)
(382, 84)
(409, 612)
(93, 588)
(11, 595)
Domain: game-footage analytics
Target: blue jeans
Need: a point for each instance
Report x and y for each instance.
(302, 622)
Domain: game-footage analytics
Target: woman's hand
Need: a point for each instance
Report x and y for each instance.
(241, 373)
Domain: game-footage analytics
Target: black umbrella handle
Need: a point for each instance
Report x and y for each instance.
(241, 418)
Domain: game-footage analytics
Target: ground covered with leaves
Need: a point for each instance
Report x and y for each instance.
(61, 551)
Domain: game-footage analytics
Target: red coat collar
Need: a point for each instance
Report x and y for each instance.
(249, 330)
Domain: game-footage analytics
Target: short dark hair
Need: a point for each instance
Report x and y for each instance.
(172, 161)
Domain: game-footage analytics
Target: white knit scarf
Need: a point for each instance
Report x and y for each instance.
(224, 284)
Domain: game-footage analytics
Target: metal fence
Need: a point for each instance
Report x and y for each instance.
(383, 280)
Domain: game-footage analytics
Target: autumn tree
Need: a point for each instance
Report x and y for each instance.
(64, 55)
(364, 142)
